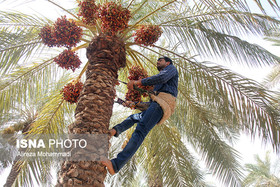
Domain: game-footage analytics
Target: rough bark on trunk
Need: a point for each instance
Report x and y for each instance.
(155, 181)
(106, 55)
(13, 173)
(17, 163)
(154, 174)
(154, 178)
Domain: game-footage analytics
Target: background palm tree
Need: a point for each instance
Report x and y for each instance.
(273, 78)
(214, 103)
(19, 121)
(262, 173)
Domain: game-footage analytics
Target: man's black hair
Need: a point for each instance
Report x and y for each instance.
(167, 59)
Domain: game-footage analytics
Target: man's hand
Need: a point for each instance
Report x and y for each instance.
(128, 103)
(130, 84)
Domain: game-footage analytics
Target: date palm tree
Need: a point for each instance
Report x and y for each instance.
(262, 173)
(19, 121)
(214, 104)
(272, 80)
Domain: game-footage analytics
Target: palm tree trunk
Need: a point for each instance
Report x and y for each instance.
(155, 180)
(106, 55)
(154, 175)
(13, 173)
(16, 167)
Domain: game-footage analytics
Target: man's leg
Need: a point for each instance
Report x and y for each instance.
(150, 118)
(127, 123)
(118, 129)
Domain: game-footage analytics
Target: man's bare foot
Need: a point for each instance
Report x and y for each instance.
(109, 166)
(112, 132)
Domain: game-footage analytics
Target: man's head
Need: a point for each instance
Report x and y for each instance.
(163, 62)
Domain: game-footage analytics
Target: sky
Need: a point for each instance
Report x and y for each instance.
(245, 146)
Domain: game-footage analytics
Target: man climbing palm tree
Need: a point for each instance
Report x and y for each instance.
(162, 106)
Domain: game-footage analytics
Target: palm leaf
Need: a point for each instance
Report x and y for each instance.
(24, 82)
(219, 157)
(19, 39)
(172, 159)
(261, 173)
(34, 172)
(273, 77)
(51, 118)
(212, 34)
(56, 113)
(243, 99)
(239, 4)
(273, 36)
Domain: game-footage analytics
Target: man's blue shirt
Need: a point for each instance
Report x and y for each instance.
(166, 81)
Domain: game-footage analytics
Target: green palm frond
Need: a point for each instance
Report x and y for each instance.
(244, 100)
(34, 172)
(219, 157)
(25, 82)
(50, 118)
(19, 39)
(239, 4)
(218, 34)
(222, 102)
(260, 173)
(126, 176)
(18, 121)
(172, 159)
(273, 36)
(273, 78)
(237, 99)
(55, 114)
(7, 154)
(203, 129)
(276, 41)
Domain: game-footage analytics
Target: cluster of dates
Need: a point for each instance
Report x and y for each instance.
(114, 17)
(68, 60)
(135, 95)
(88, 10)
(63, 33)
(71, 91)
(147, 35)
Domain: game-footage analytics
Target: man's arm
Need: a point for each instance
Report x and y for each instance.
(162, 77)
